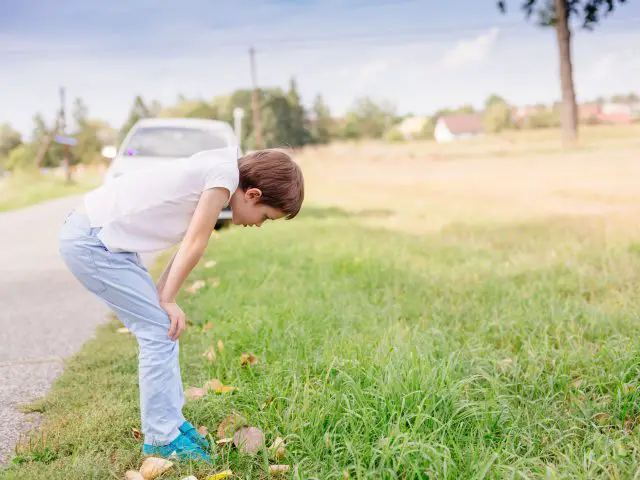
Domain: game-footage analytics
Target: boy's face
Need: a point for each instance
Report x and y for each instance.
(247, 211)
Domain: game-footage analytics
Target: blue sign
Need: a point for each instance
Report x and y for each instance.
(62, 140)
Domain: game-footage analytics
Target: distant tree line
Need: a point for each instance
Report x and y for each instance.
(285, 121)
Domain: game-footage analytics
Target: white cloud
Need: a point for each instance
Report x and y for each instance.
(364, 73)
(469, 52)
(418, 76)
(605, 66)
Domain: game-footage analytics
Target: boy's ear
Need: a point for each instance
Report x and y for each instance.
(253, 194)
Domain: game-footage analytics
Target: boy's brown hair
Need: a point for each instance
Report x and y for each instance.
(278, 177)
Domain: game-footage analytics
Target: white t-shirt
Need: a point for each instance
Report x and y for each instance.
(150, 209)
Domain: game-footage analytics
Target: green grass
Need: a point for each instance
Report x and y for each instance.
(24, 189)
(487, 352)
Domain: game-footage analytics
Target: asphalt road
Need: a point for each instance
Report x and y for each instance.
(45, 314)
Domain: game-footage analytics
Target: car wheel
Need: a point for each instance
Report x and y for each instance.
(221, 224)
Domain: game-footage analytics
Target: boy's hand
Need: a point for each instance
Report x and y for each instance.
(176, 316)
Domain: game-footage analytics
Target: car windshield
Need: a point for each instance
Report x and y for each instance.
(173, 141)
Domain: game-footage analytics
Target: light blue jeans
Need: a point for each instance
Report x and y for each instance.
(124, 284)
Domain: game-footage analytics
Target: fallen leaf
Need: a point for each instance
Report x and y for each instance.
(629, 424)
(137, 434)
(210, 354)
(210, 264)
(195, 286)
(249, 440)
(224, 441)
(577, 383)
(153, 467)
(218, 387)
(214, 282)
(193, 393)
(627, 388)
(248, 359)
(278, 469)
(221, 475)
(346, 476)
(202, 430)
(504, 364)
(214, 384)
(123, 330)
(229, 425)
(220, 345)
(267, 402)
(277, 448)
(327, 440)
(207, 326)
(601, 418)
(133, 475)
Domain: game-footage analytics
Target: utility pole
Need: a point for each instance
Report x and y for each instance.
(255, 100)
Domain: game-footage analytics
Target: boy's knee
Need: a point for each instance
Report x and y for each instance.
(157, 353)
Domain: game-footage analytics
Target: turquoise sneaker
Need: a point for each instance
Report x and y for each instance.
(181, 448)
(191, 432)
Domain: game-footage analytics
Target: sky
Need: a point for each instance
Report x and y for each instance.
(419, 55)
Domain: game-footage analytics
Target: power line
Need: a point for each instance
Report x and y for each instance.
(388, 38)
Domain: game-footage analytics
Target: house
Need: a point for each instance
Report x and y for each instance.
(607, 113)
(520, 115)
(458, 127)
(589, 112)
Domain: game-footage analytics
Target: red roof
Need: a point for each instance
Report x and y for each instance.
(615, 118)
(463, 123)
(589, 110)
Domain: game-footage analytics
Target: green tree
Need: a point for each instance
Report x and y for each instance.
(542, 119)
(80, 112)
(203, 110)
(493, 99)
(628, 98)
(322, 128)
(497, 117)
(557, 14)
(394, 135)
(276, 120)
(9, 139)
(138, 111)
(466, 109)
(299, 134)
(87, 135)
(41, 140)
(368, 119)
(39, 127)
(21, 157)
(429, 128)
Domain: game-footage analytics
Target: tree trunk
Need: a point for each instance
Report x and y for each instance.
(569, 117)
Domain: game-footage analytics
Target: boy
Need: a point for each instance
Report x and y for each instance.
(150, 210)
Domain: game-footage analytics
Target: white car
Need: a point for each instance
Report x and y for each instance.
(153, 140)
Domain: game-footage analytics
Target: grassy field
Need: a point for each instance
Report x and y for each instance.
(491, 332)
(28, 188)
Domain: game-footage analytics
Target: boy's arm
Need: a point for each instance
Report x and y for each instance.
(190, 252)
(163, 278)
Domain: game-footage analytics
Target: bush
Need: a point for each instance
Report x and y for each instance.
(394, 135)
(497, 118)
(21, 157)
